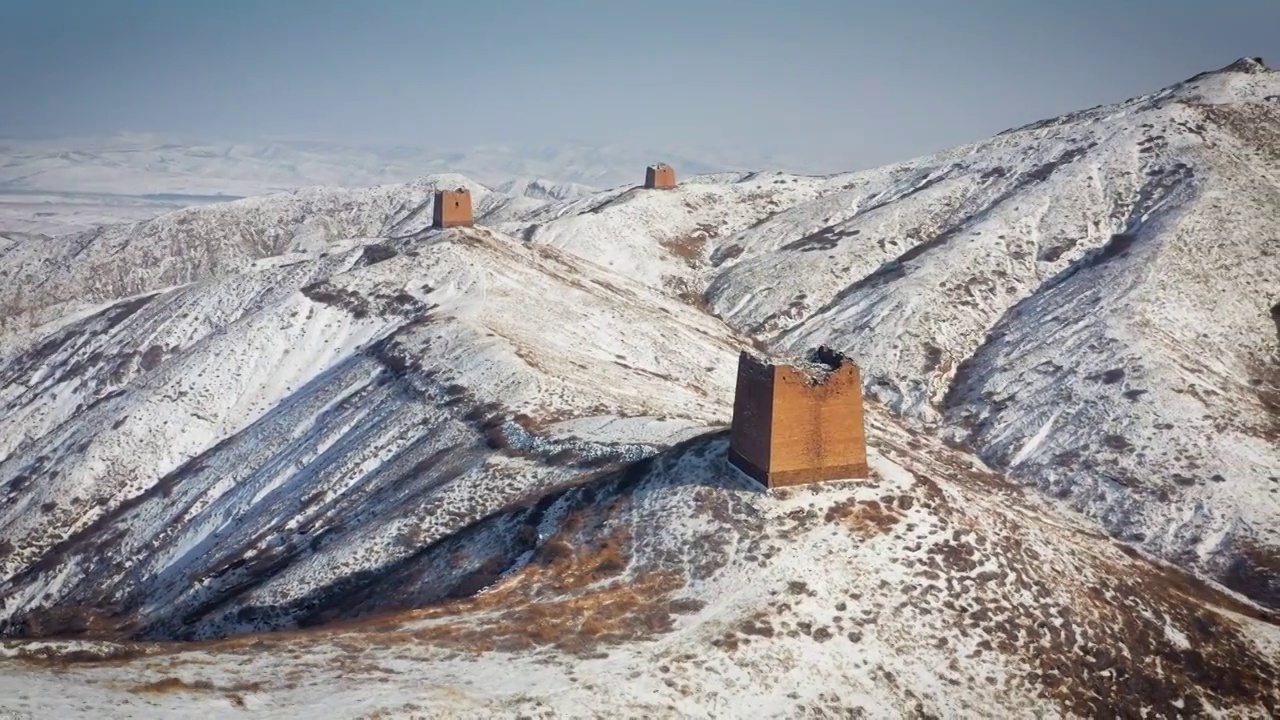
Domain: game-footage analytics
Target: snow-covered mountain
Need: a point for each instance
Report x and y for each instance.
(502, 448)
(1084, 302)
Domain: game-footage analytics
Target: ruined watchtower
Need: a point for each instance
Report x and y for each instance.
(452, 208)
(660, 176)
(798, 422)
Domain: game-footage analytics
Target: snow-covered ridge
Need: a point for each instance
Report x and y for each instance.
(543, 189)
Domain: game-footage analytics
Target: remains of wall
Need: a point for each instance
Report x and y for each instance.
(799, 422)
(752, 413)
(660, 176)
(452, 208)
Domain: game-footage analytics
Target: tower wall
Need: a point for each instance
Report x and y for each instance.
(660, 176)
(452, 208)
(749, 438)
(793, 426)
(817, 430)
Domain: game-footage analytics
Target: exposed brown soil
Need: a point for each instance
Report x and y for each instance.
(692, 248)
(866, 519)
(170, 685)
(573, 595)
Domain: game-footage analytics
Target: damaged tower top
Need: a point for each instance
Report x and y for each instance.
(660, 176)
(452, 208)
(798, 422)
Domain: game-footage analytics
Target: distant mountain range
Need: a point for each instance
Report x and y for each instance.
(52, 187)
(140, 165)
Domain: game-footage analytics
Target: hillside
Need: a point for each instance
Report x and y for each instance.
(675, 587)
(1084, 302)
(48, 277)
(502, 447)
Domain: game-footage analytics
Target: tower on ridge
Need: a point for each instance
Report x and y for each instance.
(452, 208)
(799, 422)
(660, 176)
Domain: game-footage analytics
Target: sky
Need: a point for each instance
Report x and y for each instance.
(834, 85)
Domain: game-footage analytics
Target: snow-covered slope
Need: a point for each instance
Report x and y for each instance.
(50, 278)
(310, 409)
(676, 587)
(543, 189)
(1084, 301)
(354, 383)
(47, 214)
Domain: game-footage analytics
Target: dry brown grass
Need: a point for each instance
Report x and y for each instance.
(1097, 640)
(576, 594)
(579, 625)
(107, 655)
(170, 685)
(573, 596)
(867, 518)
(691, 248)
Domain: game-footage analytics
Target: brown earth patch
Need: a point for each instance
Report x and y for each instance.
(1109, 659)
(571, 596)
(867, 518)
(169, 685)
(691, 248)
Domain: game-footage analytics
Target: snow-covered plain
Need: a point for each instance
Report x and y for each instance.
(481, 471)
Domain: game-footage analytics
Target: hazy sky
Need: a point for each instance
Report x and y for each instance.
(840, 83)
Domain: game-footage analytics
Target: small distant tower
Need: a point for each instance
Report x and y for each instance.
(800, 422)
(659, 177)
(452, 208)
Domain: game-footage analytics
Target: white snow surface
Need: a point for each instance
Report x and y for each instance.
(484, 468)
